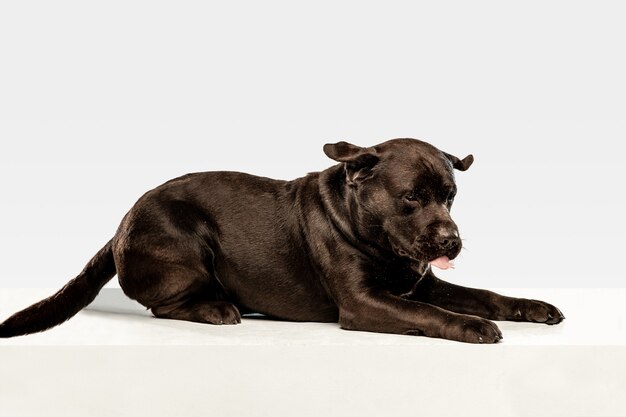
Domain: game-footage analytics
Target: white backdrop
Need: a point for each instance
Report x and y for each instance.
(100, 101)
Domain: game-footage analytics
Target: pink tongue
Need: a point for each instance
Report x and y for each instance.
(442, 263)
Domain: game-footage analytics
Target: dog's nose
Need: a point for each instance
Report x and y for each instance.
(448, 237)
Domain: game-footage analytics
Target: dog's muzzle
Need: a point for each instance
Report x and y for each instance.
(438, 247)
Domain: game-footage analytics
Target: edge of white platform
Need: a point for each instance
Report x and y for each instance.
(115, 360)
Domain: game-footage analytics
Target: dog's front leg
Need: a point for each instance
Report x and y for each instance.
(380, 311)
(483, 303)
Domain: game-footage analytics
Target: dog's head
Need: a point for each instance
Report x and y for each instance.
(399, 196)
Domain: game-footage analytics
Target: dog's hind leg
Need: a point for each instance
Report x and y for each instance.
(181, 290)
(180, 293)
(200, 311)
(165, 257)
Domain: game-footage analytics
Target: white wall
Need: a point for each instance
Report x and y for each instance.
(100, 102)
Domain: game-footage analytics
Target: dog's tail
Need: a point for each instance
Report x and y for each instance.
(68, 301)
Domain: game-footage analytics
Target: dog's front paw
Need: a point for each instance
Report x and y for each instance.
(472, 329)
(537, 311)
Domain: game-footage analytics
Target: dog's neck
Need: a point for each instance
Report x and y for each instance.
(337, 201)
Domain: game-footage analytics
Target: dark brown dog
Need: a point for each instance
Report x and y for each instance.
(351, 244)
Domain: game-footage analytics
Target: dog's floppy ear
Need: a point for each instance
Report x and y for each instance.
(358, 161)
(460, 164)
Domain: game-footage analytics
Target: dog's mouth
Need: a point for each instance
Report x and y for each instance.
(442, 262)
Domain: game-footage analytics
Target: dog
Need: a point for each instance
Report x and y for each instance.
(354, 244)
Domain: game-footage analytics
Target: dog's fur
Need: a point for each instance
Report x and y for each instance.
(350, 244)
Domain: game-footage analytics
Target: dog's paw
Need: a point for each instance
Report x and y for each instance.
(537, 311)
(220, 312)
(472, 329)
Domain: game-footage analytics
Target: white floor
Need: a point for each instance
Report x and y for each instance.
(115, 359)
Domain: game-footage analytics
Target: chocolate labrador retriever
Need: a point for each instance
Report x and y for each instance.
(353, 244)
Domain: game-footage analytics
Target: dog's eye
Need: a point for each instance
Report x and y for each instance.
(450, 197)
(412, 196)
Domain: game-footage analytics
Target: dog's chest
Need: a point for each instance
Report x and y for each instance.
(396, 277)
